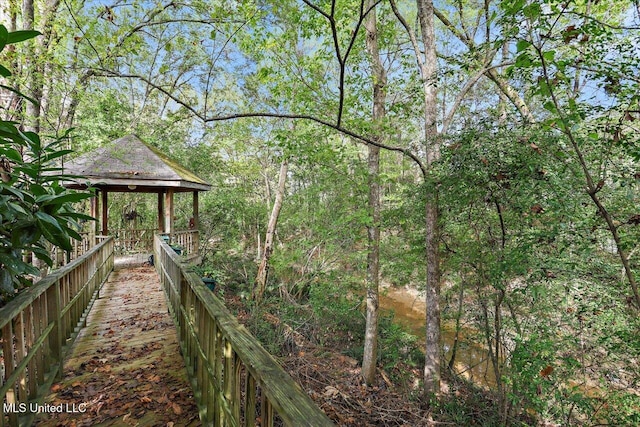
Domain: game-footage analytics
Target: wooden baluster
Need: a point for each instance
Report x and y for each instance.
(203, 377)
(30, 337)
(195, 321)
(217, 357)
(207, 384)
(218, 413)
(237, 387)
(9, 367)
(266, 411)
(53, 313)
(229, 375)
(40, 323)
(21, 352)
(250, 401)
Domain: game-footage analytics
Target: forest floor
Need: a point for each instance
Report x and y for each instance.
(333, 381)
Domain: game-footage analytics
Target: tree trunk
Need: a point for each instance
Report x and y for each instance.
(456, 337)
(379, 77)
(37, 64)
(429, 81)
(11, 105)
(34, 89)
(263, 269)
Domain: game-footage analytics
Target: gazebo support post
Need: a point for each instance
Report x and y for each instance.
(168, 214)
(196, 220)
(95, 208)
(105, 217)
(161, 212)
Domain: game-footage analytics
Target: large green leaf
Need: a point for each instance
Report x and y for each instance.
(4, 72)
(8, 189)
(60, 199)
(6, 281)
(51, 222)
(4, 34)
(25, 235)
(42, 254)
(76, 215)
(20, 94)
(22, 35)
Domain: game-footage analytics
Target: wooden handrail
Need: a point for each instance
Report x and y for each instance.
(61, 257)
(38, 327)
(235, 380)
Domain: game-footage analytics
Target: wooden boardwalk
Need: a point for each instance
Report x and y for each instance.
(125, 367)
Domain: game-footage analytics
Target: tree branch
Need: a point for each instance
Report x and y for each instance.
(342, 59)
(209, 119)
(502, 84)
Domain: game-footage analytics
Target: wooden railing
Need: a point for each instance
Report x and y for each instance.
(80, 247)
(188, 240)
(236, 381)
(128, 241)
(38, 327)
(140, 240)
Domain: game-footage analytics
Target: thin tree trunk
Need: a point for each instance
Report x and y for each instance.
(456, 338)
(9, 15)
(432, 299)
(263, 269)
(379, 76)
(34, 88)
(427, 65)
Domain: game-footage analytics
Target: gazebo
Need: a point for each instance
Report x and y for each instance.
(130, 165)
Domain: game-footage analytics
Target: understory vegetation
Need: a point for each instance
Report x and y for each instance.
(478, 158)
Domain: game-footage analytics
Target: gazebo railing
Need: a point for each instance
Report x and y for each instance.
(188, 240)
(133, 240)
(61, 257)
(140, 240)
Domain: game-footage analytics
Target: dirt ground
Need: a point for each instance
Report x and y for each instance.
(333, 381)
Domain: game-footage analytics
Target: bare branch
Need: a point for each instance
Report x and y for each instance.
(342, 59)
(206, 119)
(412, 36)
(491, 73)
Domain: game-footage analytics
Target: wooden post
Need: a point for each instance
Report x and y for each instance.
(161, 212)
(105, 208)
(196, 220)
(95, 207)
(54, 309)
(168, 214)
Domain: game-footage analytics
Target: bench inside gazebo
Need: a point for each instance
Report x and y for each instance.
(129, 165)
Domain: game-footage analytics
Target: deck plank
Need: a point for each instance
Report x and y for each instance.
(125, 367)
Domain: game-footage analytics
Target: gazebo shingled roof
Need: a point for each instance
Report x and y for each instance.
(129, 164)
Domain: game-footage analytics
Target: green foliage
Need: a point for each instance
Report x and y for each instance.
(34, 207)
(337, 312)
(520, 236)
(396, 345)
(517, 232)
